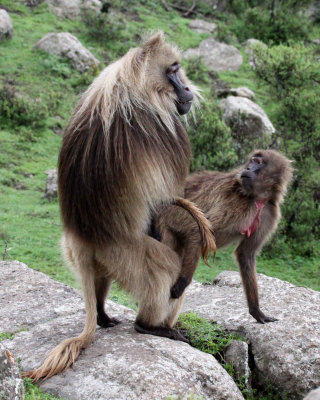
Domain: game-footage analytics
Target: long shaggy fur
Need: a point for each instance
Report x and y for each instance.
(124, 154)
(125, 150)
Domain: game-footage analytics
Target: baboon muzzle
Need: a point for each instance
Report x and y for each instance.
(184, 94)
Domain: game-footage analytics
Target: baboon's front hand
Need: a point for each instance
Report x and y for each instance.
(179, 287)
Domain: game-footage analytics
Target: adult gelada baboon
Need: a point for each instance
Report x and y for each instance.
(242, 205)
(124, 153)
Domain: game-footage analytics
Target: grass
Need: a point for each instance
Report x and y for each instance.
(300, 271)
(205, 335)
(30, 226)
(33, 392)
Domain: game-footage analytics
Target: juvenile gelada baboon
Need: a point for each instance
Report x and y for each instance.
(125, 153)
(242, 205)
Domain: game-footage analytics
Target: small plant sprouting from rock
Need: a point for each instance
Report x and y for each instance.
(204, 335)
(33, 392)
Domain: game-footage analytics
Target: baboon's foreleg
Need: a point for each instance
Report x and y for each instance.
(102, 287)
(191, 256)
(246, 257)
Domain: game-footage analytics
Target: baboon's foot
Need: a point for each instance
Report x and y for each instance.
(260, 317)
(164, 331)
(179, 287)
(105, 321)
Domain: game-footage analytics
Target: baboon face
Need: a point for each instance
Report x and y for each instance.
(264, 172)
(183, 92)
(164, 75)
(250, 174)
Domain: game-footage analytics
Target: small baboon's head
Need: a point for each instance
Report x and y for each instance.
(266, 173)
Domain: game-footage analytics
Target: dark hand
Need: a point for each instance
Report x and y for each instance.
(179, 287)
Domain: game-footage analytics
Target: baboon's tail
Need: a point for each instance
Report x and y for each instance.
(65, 354)
(207, 237)
(60, 358)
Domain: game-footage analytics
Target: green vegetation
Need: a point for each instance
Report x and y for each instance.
(204, 335)
(38, 92)
(33, 392)
(11, 335)
(210, 338)
(5, 336)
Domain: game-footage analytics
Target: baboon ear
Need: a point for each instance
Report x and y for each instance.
(153, 43)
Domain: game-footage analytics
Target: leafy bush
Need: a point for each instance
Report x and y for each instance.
(294, 75)
(17, 109)
(271, 21)
(212, 144)
(104, 26)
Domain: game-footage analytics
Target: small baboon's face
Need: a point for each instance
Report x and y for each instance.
(164, 75)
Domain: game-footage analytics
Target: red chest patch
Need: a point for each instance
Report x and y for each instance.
(256, 220)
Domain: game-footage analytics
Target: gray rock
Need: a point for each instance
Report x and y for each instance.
(201, 26)
(11, 383)
(217, 56)
(72, 8)
(249, 47)
(120, 364)
(6, 26)
(246, 119)
(237, 353)
(66, 45)
(286, 352)
(51, 191)
(313, 395)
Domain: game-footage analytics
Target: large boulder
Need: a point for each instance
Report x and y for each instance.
(120, 364)
(285, 352)
(250, 125)
(216, 55)
(201, 26)
(6, 26)
(11, 383)
(66, 45)
(72, 8)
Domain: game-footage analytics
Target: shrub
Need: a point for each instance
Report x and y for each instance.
(271, 21)
(294, 75)
(17, 109)
(103, 27)
(212, 144)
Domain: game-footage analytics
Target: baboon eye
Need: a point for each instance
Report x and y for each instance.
(257, 160)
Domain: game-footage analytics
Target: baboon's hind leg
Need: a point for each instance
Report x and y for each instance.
(157, 312)
(166, 328)
(102, 287)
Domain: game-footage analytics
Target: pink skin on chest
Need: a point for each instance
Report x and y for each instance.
(256, 220)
